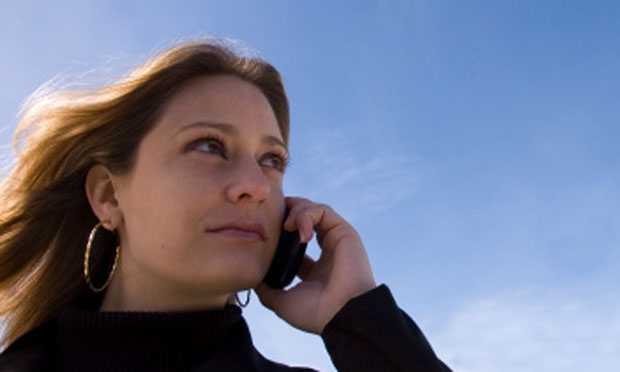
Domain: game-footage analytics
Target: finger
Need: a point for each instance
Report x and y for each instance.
(290, 201)
(300, 218)
(306, 227)
(310, 217)
(301, 222)
(268, 296)
(323, 219)
(294, 205)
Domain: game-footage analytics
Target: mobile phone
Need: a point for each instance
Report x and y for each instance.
(287, 259)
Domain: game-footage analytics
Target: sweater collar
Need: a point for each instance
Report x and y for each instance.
(91, 340)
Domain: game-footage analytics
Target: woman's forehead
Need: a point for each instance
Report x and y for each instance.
(222, 99)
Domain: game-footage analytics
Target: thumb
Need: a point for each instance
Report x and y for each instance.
(268, 296)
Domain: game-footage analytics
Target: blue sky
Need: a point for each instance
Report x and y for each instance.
(472, 144)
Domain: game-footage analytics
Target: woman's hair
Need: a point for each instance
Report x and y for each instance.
(45, 216)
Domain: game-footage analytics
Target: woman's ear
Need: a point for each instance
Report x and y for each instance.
(101, 193)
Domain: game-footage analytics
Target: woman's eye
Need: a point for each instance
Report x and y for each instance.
(276, 161)
(209, 146)
(213, 145)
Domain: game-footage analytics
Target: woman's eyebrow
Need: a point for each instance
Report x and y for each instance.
(230, 130)
(271, 140)
(224, 127)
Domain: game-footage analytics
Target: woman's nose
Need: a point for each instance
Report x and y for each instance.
(248, 181)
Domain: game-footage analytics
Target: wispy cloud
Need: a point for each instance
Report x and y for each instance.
(532, 331)
(353, 178)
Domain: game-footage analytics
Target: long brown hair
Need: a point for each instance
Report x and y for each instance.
(45, 217)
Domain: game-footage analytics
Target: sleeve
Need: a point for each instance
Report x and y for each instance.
(370, 333)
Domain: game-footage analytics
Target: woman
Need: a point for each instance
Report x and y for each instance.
(136, 212)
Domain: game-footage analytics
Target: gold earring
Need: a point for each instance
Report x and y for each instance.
(91, 237)
(247, 298)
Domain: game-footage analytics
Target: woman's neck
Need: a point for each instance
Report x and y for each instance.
(125, 295)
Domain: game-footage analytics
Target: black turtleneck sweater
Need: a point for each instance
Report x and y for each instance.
(369, 333)
(150, 341)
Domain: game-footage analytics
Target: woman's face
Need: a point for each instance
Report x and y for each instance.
(203, 205)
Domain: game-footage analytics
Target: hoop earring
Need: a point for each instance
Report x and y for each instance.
(247, 298)
(91, 237)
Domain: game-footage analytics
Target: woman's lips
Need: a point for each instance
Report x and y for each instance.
(239, 234)
(244, 229)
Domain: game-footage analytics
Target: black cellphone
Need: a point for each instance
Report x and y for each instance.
(287, 259)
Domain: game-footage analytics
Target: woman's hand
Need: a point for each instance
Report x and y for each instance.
(341, 272)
